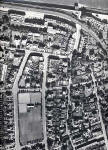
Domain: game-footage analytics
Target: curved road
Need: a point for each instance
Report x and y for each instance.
(58, 12)
(53, 11)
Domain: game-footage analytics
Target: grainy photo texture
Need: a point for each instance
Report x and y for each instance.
(54, 75)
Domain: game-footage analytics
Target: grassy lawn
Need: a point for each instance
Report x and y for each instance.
(30, 125)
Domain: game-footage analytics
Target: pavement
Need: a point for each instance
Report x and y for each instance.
(57, 12)
(15, 96)
(68, 16)
(100, 115)
(43, 98)
(78, 35)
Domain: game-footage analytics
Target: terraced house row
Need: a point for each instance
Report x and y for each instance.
(53, 79)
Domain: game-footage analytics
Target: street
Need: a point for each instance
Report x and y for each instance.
(43, 98)
(15, 97)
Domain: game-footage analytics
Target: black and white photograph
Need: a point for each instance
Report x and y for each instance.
(54, 75)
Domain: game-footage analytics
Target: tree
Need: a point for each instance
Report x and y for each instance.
(91, 52)
(87, 69)
(24, 37)
(105, 21)
(25, 148)
(17, 37)
(75, 73)
(88, 23)
(5, 19)
(75, 52)
(8, 93)
(100, 35)
(87, 58)
(44, 29)
(50, 142)
(5, 28)
(1, 50)
(41, 44)
(55, 46)
(64, 147)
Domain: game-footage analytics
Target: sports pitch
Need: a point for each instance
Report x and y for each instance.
(30, 120)
(30, 125)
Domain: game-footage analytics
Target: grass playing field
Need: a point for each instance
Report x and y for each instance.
(30, 119)
(30, 125)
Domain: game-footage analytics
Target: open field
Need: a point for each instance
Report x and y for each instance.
(35, 97)
(30, 125)
(26, 98)
(30, 119)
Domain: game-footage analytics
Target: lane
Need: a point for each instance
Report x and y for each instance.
(15, 92)
(43, 98)
(78, 35)
(101, 120)
(70, 82)
(58, 12)
(15, 87)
